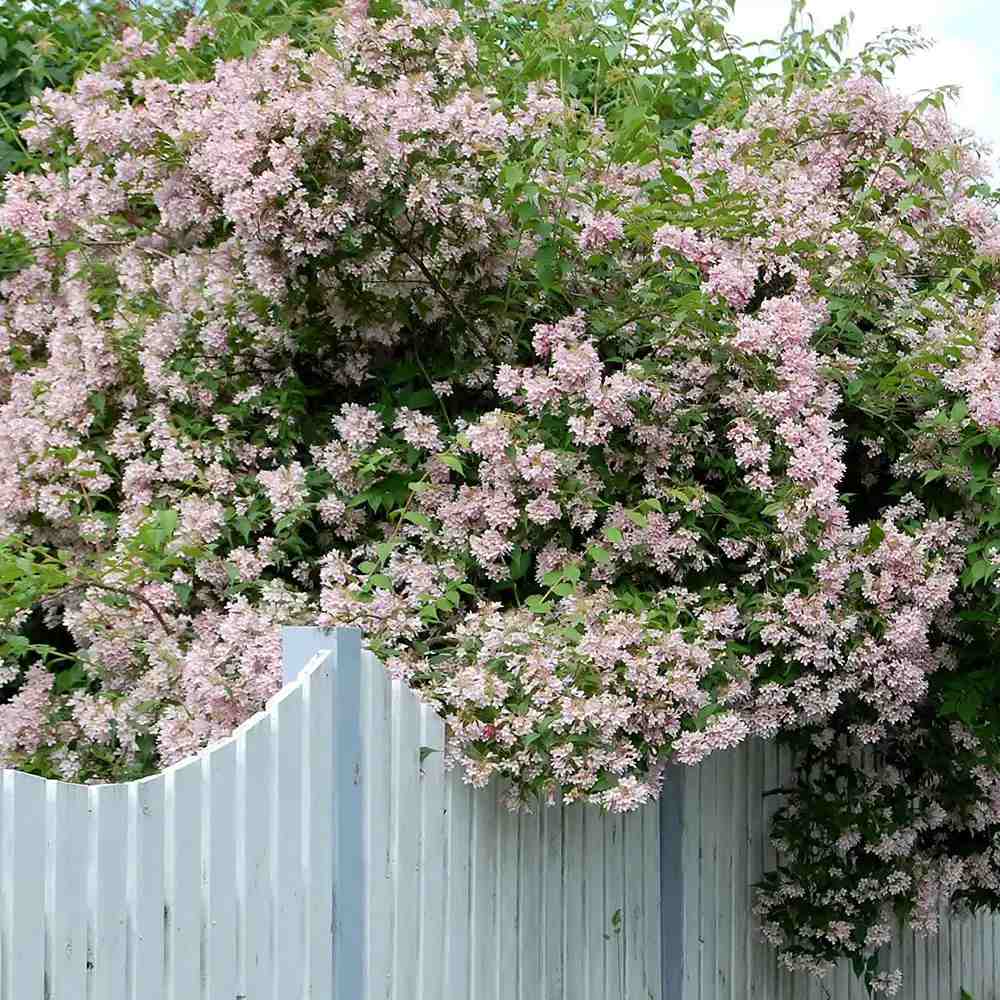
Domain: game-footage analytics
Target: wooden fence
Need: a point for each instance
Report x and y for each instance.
(715, 822)
(322, 852)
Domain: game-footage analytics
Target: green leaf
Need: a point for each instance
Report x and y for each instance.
(979, 570)
(520, 563)
(453, 462)
(17, 645)
(418, 398)
(876, 534)
(546, 257)
(512, 175)
(67, 680)
(537, 604)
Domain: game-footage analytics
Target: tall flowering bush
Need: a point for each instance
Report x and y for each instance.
(632, 397)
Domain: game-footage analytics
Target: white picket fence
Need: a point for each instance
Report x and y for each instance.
(322, 852)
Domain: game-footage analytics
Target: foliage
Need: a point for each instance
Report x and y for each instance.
(44, 44)
(632, 390)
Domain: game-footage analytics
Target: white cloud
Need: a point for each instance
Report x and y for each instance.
(962, 55)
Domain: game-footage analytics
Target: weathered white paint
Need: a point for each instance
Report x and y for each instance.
(321, 852)
(717, 846)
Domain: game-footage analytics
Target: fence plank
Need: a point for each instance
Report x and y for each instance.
(349, 788)
(691, 895)
(485, 846)
(109, 891)
(318, 693)
(939, 969)
(574, 903)
(459, 899)
(758, 958)
(740, 900)
(253, 859)
(596, 916)
(147, 825)
(920, 959)
(531, 917)
(379, 811)
(406, 839)
(182, 878)
(614, 915)
(506, 969)
(651, 876)
(722, 970)
(432, 864)
(24, 880)
(287, 717)
(995, 970)
(634, 922)
(553, 901)
(219, 782)
(985, 959)
(710, 864)
(953, 931)
(66, 890)
(6, 927)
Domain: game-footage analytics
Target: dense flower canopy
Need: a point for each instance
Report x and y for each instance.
(621, 441)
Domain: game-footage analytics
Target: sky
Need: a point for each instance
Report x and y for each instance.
(965, 33)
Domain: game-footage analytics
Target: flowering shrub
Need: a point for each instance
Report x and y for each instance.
(628, 411)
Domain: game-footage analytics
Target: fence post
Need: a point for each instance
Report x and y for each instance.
(350, 865)
(672, 901)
